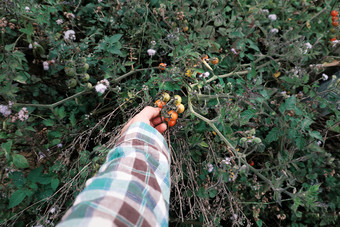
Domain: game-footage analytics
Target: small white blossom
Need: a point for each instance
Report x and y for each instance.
(105, 82)
(151, 52)
(23, 114)
(52, 210)
(319, 143)
(308, 46)
(206, 74)
(153, 42)
(5, 110)
(210, 167)
(70, 34)
(272, 17)
(45, 65)
(324, 76)
(100, 88)
(27, 9)
(59, 145)
(226, 161)
(41, 155)
(99, 1)
(274, 30)
(233, 50)
(30, 46)
(60, 21)
(265, 11)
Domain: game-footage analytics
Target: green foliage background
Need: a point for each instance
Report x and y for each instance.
(257, 143)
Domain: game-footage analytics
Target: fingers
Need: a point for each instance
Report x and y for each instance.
(161, 127)
(156, 121)
(150, 112)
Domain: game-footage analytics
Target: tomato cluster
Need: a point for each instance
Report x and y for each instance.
(173, 115)
(335, 23)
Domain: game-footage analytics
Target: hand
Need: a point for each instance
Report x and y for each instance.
(149, 115)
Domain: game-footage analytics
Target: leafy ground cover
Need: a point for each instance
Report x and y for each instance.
(257, 143)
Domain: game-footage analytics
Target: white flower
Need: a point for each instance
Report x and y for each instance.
(151, 52)
(283, 93)
(60, 21)
(27, 9)
(99, 1)
(30, 46)
(308, 46)
(41, 155)
(210, 167)
(100, 88)
(226, 161)
(45, 65)
(5, 111)
(52, 210)
(324, 76)
(105, 82)
(319, 143)
(206, 74)
(274, 30)
(59, 145)
(70, 34)
(23, 114)
(272, 17)
(153, 42)
(233, 50)
(265, 11)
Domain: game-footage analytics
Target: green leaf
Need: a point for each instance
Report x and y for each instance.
(54, 183)
(35, 174)
(48, 122)
(204, 144)
(73, 120)
(7, 146)
(259, 223)
(115, 38)
(248, 114)
(20, 161)
(16, 198)
(273, 135)
(316, 135)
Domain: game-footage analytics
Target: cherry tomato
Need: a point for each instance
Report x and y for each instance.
(159, 103)
(171, 123)
(251, 163)
(173, 115)
(166, 97)
(335, 23)
(204, 57)
(334, 13)
(178, 99)
(180, 108)
(214, 61)
(162, 66)
(335, 18)
(185, 28)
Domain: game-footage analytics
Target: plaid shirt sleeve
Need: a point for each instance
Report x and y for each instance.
(132, 187)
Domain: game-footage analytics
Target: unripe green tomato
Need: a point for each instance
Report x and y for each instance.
(332, 30)
(84, 77)
(84, 67)
(70, 63)
(89, 85)
(178, 99)
(243, 140)
(257, 140)
(166, 97)
(82, 60)
(70, 71)
(71, 83)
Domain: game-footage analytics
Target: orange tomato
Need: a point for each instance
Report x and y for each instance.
(159, 103)
(332, 39)
(162, 66)
(204, 57)
(214, 61)
(335, 23)
(173, 115)
(171, 123)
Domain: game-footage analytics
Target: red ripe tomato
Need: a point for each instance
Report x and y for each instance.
(335, 23)
(159, 103)
(171, 123)
(251, 163)
(334, 13)
(335, 18)
(162, 66)
(332, 39)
